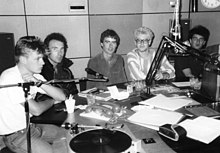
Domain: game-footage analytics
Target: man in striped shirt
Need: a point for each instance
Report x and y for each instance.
(139, 59)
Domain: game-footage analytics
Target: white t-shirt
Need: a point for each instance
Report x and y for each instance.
(12, 112)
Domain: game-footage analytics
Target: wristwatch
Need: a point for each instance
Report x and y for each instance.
(210, 3)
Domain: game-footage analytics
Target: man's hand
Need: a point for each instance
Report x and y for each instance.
(162, 75)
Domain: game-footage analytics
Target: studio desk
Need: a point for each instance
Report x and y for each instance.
(154, 142)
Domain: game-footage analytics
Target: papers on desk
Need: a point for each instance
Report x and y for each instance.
(182, 84)
(115, 94)
(153, 118)
(202, 128)
(168, 103)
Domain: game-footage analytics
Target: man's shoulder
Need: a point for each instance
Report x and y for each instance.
(96, 58)
(13, 71)
(10, 76)
(152, 50)
(132, 53)
(66, 63)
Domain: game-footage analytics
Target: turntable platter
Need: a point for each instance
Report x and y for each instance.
(100, 141)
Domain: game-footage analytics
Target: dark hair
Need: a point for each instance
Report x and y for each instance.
(30, 42)
(110, 33)
(200, 30)
(56, 36)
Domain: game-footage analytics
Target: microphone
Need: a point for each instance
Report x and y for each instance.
(26, 84)
(96, 74)
(57, 81)
(67, 125)
(194, 5)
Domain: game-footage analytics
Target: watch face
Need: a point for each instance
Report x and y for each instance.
(210, 3)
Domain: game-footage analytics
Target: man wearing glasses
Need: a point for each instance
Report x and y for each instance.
(191, 66)
(139, 59)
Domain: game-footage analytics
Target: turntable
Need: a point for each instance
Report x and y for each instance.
(101, 141)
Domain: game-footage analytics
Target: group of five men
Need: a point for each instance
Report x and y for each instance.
(33, 66)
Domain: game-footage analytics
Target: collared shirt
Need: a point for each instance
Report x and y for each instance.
(114, 71)
(139, 66)
(12, 112)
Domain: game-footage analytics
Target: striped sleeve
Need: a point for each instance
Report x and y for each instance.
(167, 67)
(134, 66)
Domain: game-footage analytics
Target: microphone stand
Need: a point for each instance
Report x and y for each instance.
(26, 89)
(76, 80)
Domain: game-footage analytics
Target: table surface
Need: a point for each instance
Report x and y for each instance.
(161, 144)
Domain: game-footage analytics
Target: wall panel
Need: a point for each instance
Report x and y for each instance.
(78, 68)
(11, 7)
(115, 6)
(159, 23)
(124, 25)
(156, 6)
(211, 21)
(55, 7)
(13, 24)
(74, 28)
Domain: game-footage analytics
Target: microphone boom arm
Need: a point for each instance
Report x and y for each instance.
(165, 45)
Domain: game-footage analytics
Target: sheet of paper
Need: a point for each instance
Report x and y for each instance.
(202, 128)
(115, 94)
(181, 84)
(168, 103)
(155, 117)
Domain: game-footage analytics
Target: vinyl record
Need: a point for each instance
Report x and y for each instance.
(100, 141)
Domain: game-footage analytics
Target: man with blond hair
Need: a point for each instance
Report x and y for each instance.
(139, 59)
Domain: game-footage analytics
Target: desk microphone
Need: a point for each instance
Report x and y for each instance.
(67, 125)
(96, 74)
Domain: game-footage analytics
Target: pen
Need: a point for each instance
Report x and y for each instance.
(189, 115)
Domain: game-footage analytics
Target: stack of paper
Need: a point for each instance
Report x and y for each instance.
(202, 128)
(168, 103)
(153, 118)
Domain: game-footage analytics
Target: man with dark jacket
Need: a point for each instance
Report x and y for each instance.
(56, 65)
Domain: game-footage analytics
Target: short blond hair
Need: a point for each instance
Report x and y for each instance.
(144, 30)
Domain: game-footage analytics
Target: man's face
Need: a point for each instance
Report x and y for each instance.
(109, 45)
(197, 41)
(56, 51)
(34, 62)
(142, 42)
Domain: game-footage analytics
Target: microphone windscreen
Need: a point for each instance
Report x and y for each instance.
(90, 71)
(194, 5)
